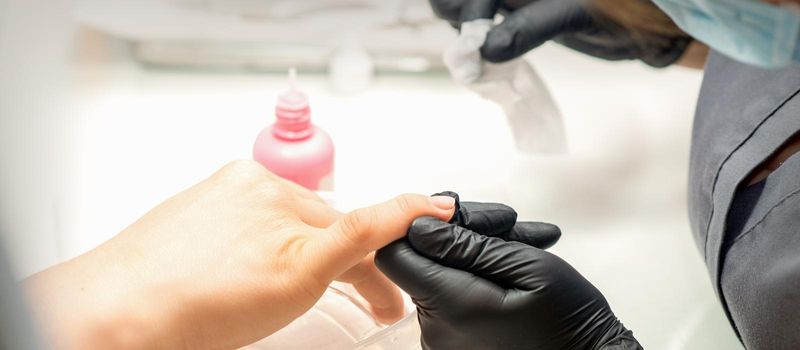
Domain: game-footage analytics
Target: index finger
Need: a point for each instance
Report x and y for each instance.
(365, 230)
(531, 26)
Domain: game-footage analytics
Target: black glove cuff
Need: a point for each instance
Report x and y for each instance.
(618, 338)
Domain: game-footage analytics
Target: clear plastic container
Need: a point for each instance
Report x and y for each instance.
(339, 321)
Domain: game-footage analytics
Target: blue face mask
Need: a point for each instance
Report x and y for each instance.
(749, 31)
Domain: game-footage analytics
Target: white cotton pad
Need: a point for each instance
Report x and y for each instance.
(515, 86)
(463, 57)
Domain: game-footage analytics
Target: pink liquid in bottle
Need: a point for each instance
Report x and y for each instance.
(293, 147)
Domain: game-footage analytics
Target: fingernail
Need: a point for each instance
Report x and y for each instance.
(444, 202)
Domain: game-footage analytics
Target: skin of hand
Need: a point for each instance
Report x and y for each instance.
(223, 264)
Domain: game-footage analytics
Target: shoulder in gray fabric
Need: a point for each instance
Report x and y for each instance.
(744, 114)
(760, 274)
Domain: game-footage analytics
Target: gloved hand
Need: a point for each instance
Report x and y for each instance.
(483, 282)
(573, 23)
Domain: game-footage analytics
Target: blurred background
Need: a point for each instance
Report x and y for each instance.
(110, 106)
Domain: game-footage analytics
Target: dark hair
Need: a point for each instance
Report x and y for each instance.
(640, 17)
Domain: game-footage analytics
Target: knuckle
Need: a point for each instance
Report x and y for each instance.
(253, 178)
(359, 225)
(241, 165)
(276, 190)
(243, 170)
(406, 203)
(353, 223)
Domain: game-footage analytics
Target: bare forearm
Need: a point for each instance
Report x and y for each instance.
(81, 308)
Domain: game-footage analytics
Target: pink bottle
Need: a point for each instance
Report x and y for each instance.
(293, 147)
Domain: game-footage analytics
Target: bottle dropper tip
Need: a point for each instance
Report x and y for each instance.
(293, 78)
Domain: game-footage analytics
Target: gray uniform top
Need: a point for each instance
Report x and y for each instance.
(743, 116)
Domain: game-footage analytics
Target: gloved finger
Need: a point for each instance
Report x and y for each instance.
(449, 10)
(431, 284)
(478, 9)
(536, 234)
(499, 220)
(360, 232)
(533, 25)
(508, 264)
(383, 296)
(491, 219)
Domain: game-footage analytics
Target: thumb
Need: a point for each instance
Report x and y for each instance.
(360, 232)
(533, 25)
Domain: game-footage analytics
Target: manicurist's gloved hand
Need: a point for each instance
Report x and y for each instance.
(573, 23)
(221, 265)
(484, 282)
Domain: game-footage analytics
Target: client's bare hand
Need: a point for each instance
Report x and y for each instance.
(223, 264)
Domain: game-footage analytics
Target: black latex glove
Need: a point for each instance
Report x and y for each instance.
(530, 23)
(476, 286)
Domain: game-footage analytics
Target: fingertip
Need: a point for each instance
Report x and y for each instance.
(499, 46)
(446, 203)
(383, 297)
(451, 213)
(490, 219)
(537, 234)
(554, 230)
(389, 315)
(447, 215)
